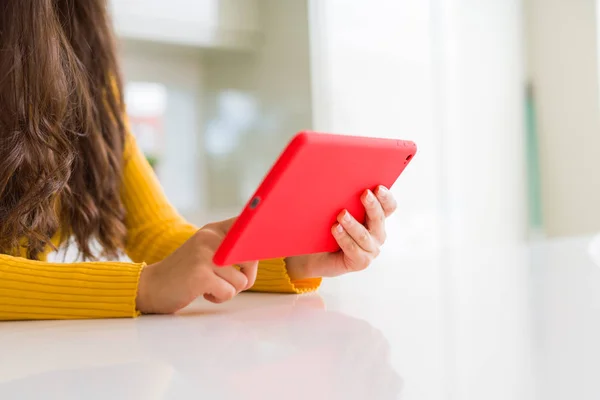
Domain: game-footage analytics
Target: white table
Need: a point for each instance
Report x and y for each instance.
(512, 323)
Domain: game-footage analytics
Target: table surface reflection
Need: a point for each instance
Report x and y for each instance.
(518, 322)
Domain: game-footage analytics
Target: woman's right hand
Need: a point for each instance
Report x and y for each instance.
(188, 273)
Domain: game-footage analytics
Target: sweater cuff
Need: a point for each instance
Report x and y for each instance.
(39, 290)
(273, 277)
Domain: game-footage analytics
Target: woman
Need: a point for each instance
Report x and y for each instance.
(69, 168)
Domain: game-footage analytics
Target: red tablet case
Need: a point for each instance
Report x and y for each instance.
(317, 176)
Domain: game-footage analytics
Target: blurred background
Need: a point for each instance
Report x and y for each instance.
(502, 98)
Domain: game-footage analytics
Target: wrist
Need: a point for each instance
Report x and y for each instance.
(299, 267)
(143, 300)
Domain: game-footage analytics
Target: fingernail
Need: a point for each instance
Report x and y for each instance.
(347, 217)
(370, 197)
(382, 191)
(339, 229)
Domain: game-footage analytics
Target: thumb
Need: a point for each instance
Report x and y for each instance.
(225, 226)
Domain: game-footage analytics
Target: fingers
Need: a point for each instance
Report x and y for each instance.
(355, 257)
(357, 232)
(220, 290)
(234, 277)
(227, 282)
(375, 216)
(387, 200)
(227, 224)
(250, 270)
(355, 240)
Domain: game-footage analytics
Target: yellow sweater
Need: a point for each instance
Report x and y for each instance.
(42, 290)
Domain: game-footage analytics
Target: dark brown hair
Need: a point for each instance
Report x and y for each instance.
(61, 127)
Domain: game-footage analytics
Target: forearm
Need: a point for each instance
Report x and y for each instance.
(40, 290)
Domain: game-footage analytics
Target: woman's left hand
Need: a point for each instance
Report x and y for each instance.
(360, 244)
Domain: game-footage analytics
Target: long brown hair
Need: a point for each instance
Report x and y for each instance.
(61, 127)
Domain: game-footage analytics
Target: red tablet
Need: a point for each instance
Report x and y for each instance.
(317, 176)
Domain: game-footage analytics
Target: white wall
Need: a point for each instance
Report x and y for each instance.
(372, 76)
(481, 81)
(448, 75)
(479, 101)
(180, 70)
(273, 88)
(231, 24)
(562, 58)
(275, 80)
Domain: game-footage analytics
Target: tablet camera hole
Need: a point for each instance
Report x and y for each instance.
(254, 203)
